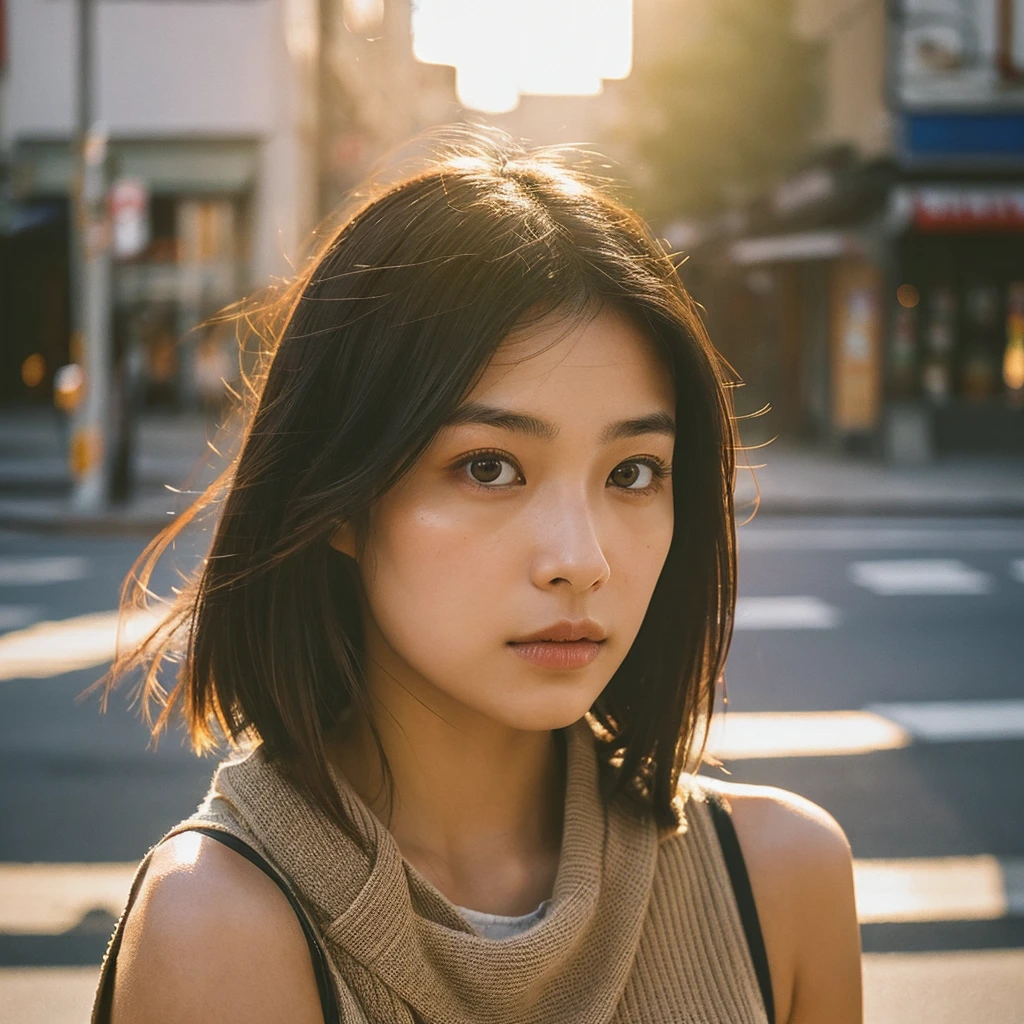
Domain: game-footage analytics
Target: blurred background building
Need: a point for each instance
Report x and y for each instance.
(846, 176)
(843, 184)
(874, 292)
(231, 126)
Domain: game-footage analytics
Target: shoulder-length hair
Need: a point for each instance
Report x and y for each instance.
(376, 344)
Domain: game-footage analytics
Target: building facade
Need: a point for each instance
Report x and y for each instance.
(236, 124)
(880, 289)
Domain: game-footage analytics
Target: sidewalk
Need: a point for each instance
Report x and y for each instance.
(173, 449)
(798, 481)
(172, 452)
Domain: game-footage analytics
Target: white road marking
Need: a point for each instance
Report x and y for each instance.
(32, 571)
(51, 648)
(742, 735)
(957, 720)
(49, 899)
(14, 616)
(980, 888)
(785, 613)
(1017, 570)
(919, 577)
(944, 987)
(57, 995)
(739, 735)
(899, 538)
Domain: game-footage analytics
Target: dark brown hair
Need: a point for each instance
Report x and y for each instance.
(367, 354)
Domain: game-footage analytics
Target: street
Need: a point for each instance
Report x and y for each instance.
(914, 624)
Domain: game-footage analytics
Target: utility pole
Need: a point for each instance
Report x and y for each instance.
(325, 113)
(91, 272)
(1005, 62)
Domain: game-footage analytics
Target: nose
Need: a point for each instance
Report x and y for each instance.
(568, 551)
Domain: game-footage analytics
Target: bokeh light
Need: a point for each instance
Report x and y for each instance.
(907, 296)
(542, 47)
(33, 370)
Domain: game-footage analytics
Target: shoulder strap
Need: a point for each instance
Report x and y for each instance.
(740, 880)
(322, 972)
(328, 1003)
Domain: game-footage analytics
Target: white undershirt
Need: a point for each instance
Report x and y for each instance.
(498, 926)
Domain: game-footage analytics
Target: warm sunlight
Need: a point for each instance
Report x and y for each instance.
(542, 47)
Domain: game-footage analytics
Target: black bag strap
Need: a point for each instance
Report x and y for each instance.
(737, 868)
(328, 1001)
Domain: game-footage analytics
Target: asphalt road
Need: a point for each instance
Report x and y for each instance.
(836, 616)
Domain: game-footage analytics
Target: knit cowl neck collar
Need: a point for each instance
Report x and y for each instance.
(398, 941)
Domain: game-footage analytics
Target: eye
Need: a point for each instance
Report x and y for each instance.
(490, 470)
(638, 474)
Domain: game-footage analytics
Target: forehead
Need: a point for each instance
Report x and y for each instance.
(601, 359)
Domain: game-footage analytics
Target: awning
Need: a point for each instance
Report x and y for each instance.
(168, 166)
(18, 217)
(952, 208)
(798, 246)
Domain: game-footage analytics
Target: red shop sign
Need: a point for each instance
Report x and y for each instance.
(942, 209)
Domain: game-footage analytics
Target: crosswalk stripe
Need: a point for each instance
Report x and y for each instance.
(15, 616)
(56, 995)
(784, 613)
(50, 899)
(979, 888)
(957, 720)
(49, 569)
(919, 577)
(946, 986)
(753, 734)
(899, 538)
(740, 735)
(54, 647)
(51, 648)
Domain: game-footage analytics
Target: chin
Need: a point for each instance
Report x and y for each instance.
(545, 712)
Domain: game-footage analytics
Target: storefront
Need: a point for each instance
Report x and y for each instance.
(886, 316)
(957, 312)
(193, 263)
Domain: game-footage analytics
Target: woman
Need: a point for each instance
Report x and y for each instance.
(467, 602)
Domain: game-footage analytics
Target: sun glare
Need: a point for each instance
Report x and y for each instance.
(536, 47)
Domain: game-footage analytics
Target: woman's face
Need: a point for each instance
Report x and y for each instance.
(545, 509)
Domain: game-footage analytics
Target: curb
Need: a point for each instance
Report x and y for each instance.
(122, 522)
(145, 522)
(997, 509)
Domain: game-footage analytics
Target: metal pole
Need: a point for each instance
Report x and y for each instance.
(91, 263)
(1005, 17)
(324, 96)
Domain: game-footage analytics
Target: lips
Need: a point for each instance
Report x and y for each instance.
(569, 644)
(565, 631)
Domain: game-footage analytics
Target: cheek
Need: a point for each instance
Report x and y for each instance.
(433, 580)
(641, 557)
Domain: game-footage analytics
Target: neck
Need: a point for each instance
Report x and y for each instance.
(477, 805)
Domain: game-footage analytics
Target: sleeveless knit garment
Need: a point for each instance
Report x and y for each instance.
(642, 927)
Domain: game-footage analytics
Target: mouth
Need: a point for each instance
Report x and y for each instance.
(558, 654)
(566, 631)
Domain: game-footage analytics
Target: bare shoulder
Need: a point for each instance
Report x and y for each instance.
(774, 823)
(801, 872)
(211, 938)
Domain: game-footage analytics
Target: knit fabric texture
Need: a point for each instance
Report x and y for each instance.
(642, 927)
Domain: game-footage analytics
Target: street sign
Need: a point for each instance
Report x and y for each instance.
(129, 209)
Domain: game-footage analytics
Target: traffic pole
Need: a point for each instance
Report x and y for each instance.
(91, 270)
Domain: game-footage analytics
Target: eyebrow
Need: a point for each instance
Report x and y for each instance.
(532, 426)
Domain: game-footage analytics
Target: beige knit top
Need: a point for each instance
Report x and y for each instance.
(642, 927)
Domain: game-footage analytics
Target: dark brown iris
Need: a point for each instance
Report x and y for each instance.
(485, 471)
(626, 475)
